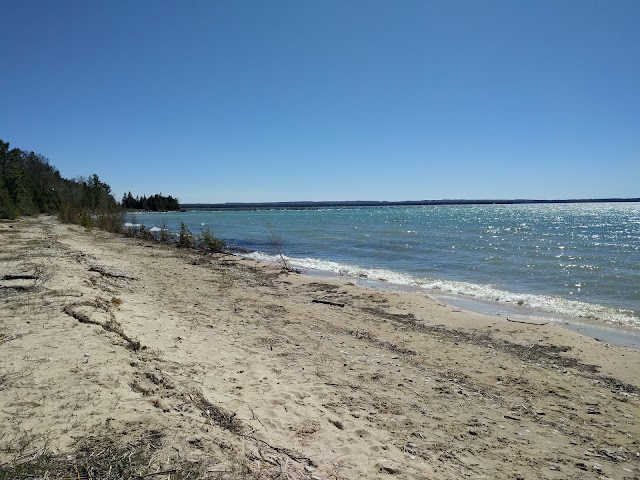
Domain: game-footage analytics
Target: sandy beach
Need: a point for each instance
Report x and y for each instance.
(237, 370)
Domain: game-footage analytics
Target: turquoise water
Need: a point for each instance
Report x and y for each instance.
(576, 260)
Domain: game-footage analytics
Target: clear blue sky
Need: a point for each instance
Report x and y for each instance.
(216, 101)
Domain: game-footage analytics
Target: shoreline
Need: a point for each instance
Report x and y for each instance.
(615, 334)
(249, 373)
(597, 296)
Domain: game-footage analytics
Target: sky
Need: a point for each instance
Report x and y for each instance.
(290, 100)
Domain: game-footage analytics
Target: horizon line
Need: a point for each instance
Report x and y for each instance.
(373, 203)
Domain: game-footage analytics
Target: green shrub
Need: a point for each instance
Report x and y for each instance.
(86, 220)
(8, 212)
(185, 240)
(145, 234)
(111, 222)
(130, 231)
(209, 243)
(164, 235)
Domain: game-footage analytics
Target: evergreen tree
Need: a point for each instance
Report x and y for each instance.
(29, 185)
(154, 203)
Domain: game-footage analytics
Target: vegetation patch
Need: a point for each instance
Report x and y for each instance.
(217, 415)
(100, 457)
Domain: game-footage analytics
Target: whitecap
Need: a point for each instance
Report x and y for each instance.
(549, 304)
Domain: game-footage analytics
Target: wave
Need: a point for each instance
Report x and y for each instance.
(550, 304)
(138, 225)
(545, 303)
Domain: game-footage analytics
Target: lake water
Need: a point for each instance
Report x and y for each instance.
(574, 260)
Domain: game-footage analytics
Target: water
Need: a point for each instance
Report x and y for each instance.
(574, 260)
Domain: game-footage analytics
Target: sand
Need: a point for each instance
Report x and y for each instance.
(235, 366)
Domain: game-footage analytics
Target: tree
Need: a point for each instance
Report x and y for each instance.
(30, 185)
(154, 203)
(277, 242)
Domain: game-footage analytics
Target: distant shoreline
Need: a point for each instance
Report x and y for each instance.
(358, 203)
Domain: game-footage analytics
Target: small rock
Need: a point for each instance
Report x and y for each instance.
(309, 468)
(597, 467)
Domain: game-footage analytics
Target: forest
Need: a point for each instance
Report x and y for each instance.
(30, 185)
(154, 203)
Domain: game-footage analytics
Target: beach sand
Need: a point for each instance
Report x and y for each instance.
(235, 366)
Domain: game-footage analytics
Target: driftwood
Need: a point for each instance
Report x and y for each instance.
(328, 302)
(107, 273)
(526, 323)
(17, 288)
(19, 277)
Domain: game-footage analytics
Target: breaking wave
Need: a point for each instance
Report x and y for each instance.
(550, 304)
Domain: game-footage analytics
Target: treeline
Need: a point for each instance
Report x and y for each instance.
(29, 185)
(154, 203)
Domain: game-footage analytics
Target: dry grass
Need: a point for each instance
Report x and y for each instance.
(100, 457)
(116, 301)
(107, 457)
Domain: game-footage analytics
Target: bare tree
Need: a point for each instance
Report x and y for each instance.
(277, 242)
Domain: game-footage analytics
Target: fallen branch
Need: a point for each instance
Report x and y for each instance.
(218, 415)
(18, 288)
(106, 273)
(19, 277)
(284, 451)
(526, 323)
(328, 302)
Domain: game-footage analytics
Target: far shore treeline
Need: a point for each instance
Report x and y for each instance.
(154, 203)
(29, 185)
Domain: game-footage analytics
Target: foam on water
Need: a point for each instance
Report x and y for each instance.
(550, 304)
(577, 260)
